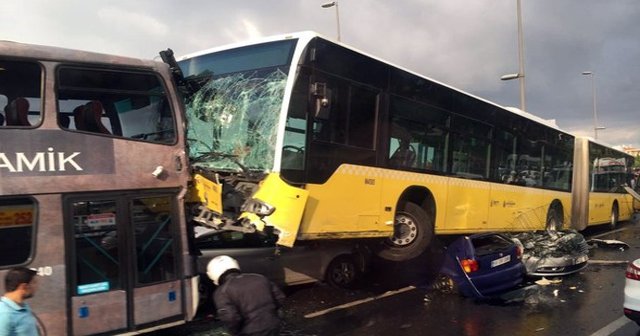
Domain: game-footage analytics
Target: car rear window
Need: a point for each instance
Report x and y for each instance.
(233, 239)
(490, 244)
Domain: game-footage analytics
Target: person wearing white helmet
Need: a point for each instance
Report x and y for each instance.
(246, 303)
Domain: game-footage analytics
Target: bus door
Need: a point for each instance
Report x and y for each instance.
(123, 260)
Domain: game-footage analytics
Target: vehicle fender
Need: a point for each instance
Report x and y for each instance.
(289, 203)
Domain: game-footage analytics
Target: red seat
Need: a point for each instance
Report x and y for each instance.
(88, 117)
(17, 112)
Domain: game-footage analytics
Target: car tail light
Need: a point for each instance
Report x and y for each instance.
(519, 248)
(633, 272)
(469, 265)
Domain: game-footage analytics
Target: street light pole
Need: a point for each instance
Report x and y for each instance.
(595, 110)
(520, 74)
(521, 57)
(335, 4)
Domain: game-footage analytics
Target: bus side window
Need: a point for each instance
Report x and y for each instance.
(121, 103)
(20, 94)
(17, 224)
(417, 136)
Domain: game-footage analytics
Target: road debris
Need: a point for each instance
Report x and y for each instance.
(608, 243)
(546, 282)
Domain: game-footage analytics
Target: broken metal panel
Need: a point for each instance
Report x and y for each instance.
(633, 193)
(289, 204)
(609, 243)
(233, 121)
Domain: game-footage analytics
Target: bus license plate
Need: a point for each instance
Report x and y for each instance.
(500, 261)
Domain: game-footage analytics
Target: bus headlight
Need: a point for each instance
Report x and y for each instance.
(257, 207)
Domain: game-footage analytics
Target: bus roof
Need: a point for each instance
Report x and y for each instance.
(50, 53)
(306, 36)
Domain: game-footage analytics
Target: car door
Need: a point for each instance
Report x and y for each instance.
(255, 252)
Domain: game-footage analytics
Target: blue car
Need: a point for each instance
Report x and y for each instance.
(482, 265)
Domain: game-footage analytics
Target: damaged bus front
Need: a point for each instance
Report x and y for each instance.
(235, 123)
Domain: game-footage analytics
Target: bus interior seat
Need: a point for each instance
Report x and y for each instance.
(88, 117)
(404, 156)
(1, 119)
(292, 157)
(64, 120)
(77, 121)
(17, 112)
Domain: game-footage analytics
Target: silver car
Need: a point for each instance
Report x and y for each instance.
(553, 253)
(340, 264)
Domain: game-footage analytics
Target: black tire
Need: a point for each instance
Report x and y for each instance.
(554, 219)
(343, 272)
(413, 232)
(615, 216)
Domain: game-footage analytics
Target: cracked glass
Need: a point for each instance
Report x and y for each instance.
(233, 116)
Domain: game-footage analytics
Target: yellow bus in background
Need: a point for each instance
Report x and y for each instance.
(321, 141)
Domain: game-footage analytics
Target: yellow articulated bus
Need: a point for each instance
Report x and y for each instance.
(599, 194)
(321, 141)
(93, 175)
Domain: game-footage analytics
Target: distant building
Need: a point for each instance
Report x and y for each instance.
(631, 150)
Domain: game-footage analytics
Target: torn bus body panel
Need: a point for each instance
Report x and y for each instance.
(549, 253)
(208, 192)
(284, 210)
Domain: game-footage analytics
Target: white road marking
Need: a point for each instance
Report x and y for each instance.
(608, 233)
(358, 302)
(613, 326)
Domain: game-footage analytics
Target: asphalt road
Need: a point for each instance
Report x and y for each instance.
(394, 302)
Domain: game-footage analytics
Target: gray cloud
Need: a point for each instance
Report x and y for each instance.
(466, 44)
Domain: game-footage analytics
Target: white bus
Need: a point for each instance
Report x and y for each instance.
(92, 179)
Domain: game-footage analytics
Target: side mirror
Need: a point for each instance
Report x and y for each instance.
(322, 100)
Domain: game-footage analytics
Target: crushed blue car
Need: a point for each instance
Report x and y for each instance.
(481, 265)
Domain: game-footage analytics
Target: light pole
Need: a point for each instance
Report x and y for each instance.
(595, 110)
(520, 74)
(335, 4)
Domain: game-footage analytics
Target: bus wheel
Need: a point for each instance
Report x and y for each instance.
(412, 232)
(614, 216)
(554, 219)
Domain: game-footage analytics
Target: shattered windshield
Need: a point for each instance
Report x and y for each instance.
(233, 116)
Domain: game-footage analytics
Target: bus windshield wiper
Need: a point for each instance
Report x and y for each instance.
(216, 155)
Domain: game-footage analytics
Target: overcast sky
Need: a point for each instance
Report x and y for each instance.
(468, 44)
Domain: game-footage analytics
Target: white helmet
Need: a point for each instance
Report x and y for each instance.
(219, 265)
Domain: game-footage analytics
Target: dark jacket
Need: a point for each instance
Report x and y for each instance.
(248, 303)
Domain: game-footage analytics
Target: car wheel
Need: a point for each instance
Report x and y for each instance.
(554, 219)
(615, 215)
(412, 233)
(343, 272)
(445, 284)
